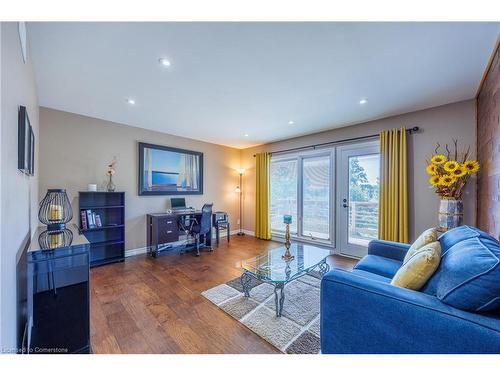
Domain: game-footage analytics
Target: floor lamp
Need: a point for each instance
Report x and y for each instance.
(240, 192)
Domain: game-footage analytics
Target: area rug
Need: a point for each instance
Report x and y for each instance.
(295, 332)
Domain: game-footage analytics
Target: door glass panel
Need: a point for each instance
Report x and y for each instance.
(316, 197)
(283, 194)
(364, 182)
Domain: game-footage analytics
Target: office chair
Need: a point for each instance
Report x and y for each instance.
(197, 229)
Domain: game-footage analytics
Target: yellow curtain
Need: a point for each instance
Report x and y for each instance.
(262, 224)
(393, 211)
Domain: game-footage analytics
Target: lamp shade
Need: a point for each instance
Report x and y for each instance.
(237, 189)
(240, 170)
(55, 210)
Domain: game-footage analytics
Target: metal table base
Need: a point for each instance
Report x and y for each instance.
(279, 287)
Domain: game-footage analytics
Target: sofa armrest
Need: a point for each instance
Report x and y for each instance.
(388, 249)
(361, 315)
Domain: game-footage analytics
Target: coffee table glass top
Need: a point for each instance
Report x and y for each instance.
(269, 266)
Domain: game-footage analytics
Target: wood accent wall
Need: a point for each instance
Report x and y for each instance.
(488, 149)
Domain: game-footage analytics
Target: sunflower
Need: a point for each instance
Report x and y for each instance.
(432, 169)
(447, 180)
(434, 180)
(451, 165)
(459, 172)
(438, 159)
(471, 166)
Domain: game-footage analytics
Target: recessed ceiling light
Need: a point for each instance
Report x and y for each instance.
(164, 61)
(363, 101)
(291, 122)
(246, 135)
(131, 101)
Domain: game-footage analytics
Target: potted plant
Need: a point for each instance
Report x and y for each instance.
(449, 172)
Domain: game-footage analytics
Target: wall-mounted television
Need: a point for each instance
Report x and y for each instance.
(25, 143)
(169, 171)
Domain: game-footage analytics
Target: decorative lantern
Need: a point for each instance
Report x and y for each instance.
(55, 210)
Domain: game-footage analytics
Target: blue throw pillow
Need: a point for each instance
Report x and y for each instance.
(468, 277)
(453, 236)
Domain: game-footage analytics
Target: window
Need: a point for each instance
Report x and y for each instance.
(300, 186)
(283, 193)
(316, 197)
(363, 198)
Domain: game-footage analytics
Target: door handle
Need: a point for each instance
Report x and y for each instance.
(345, 205)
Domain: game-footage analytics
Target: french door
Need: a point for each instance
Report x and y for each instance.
(332, 195)
(358, 180)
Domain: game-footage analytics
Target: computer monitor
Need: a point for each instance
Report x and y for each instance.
(177, 203)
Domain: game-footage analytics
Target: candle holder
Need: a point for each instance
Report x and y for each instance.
(287, 257)
(55, 210)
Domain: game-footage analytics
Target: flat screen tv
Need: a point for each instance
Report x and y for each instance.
(25, 143)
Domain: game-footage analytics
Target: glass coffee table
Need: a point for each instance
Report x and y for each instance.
(270, 267)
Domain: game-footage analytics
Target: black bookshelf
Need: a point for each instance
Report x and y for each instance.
(107, 241)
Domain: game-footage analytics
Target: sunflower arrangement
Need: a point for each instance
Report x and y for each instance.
(450, 170)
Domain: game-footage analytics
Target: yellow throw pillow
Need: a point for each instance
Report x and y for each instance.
(419, 268)
(428, 236)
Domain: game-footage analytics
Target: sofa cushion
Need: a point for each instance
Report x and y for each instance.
(468, 277)
(428, 236)
(455, 235)
(379, 265)
(419, 268)
(371, 276)
(448, 240)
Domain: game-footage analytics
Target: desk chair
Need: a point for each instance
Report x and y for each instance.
(197, 229)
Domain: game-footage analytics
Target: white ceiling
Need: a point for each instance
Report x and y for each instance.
(231, 79)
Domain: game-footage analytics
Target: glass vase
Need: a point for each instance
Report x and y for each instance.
(110, 187)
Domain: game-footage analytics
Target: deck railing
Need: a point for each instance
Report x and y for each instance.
(363, 220)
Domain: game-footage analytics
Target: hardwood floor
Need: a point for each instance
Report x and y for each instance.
(148, 305)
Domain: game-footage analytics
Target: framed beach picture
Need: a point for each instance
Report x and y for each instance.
(169, 171)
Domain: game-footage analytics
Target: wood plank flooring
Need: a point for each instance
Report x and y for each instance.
(148, 305)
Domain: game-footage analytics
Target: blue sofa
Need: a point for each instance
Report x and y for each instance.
(457, 311)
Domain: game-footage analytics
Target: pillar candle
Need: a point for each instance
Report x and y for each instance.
(55, 212)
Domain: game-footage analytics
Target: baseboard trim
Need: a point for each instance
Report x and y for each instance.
(134, 252)
(223, 234)
(249, 232)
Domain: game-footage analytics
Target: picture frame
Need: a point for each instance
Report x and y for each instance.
(167, 170)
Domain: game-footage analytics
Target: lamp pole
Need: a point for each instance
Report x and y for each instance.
(240, 232)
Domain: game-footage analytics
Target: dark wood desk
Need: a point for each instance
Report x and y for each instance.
(163, 232)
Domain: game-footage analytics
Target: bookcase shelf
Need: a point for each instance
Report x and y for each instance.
(107, 242)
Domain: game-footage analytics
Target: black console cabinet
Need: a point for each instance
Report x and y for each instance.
(57, 319)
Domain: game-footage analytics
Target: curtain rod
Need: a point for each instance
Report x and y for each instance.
(415, 129)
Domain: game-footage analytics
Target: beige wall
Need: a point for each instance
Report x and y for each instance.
(439, 124)
(75, 150)
(19, 193)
